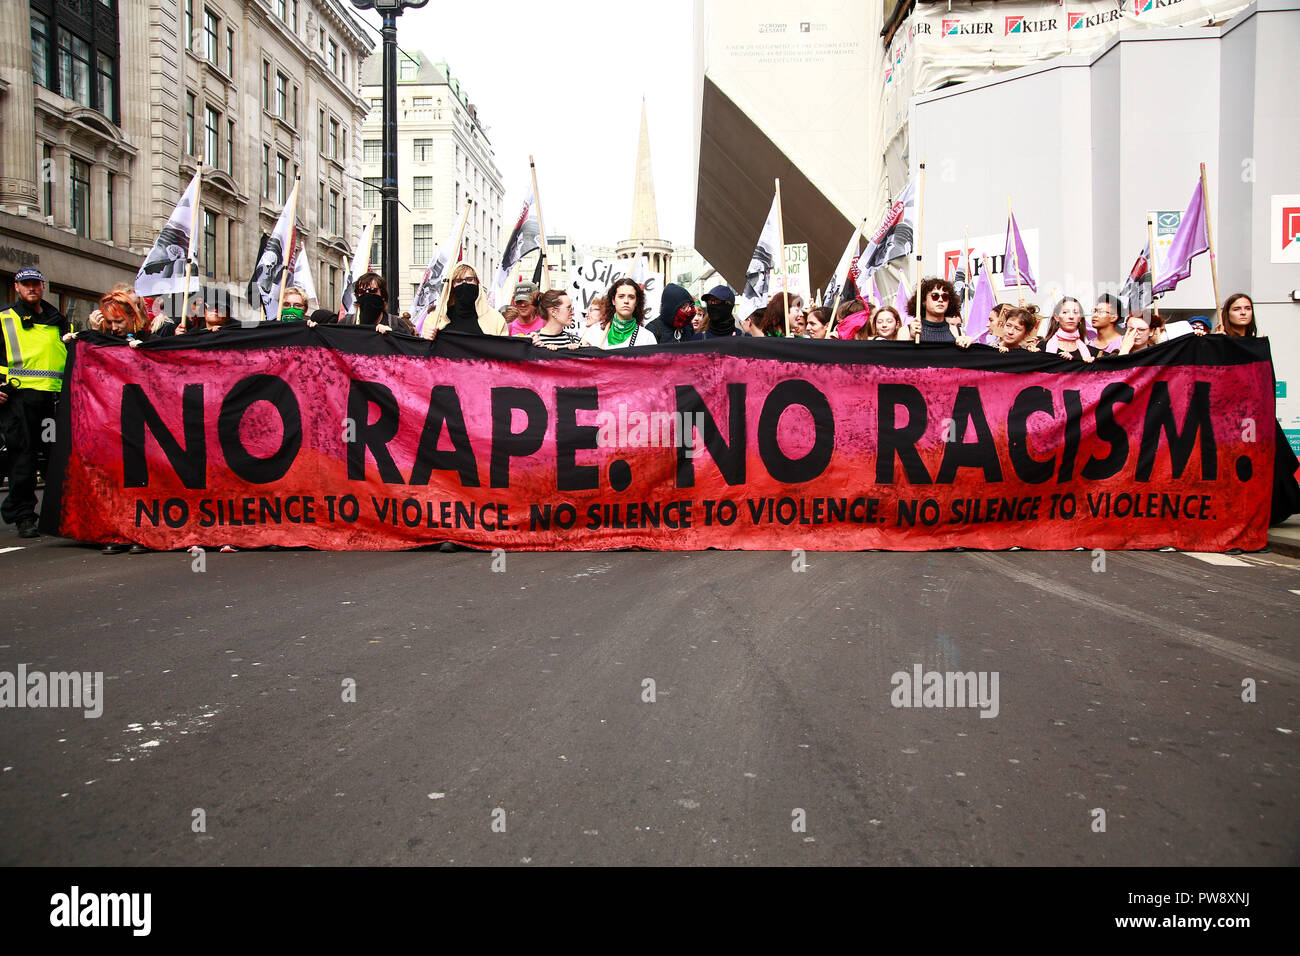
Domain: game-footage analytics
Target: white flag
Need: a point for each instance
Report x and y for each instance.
(435, 277)
(894, 238)
(524, 238)
(359, 265)
(758, 277)
(163, 271)
(836, 287)
(301, 276)
(268, 274)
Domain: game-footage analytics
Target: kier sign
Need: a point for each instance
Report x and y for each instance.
(1284, 229)
(993, 247)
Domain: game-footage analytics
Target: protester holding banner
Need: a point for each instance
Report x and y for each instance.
(719, 306)
(1068, 339)
(466, 309)
(625, 328)
(675, 322)
(1238, 317)
(854, 326)
(818, 321)
(556, 309)
(528, 320)
(372, 306)
(938, 312)
(1107, 315)
(294, 308)
(1139, 334)
(886, 324)
(1019, 324)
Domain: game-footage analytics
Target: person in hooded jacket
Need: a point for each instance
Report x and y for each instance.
(676, 314)
(463, 307)
(719, 304)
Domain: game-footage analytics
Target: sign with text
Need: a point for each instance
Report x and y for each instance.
(337, 438)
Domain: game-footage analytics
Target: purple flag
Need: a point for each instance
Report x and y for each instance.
(977, 320)
(1015, 271)
(900, 300)
(876, 297)
(1190, 241)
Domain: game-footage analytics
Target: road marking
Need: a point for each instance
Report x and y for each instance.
(1241, 653)
(14, 548)
(1223, 560)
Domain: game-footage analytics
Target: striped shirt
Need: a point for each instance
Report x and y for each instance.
(560, 339)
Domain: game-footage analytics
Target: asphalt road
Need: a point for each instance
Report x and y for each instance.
(502, 717)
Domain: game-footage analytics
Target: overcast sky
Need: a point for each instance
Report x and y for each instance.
(564, 82)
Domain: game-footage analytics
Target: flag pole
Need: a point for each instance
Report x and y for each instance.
(288, 256)
(189, 260)
(1209, 235)
(839, 293)
(970, 276)
(1151, 265)
(541, 229)
(785, 276)
(1012, 233)
(920, 248)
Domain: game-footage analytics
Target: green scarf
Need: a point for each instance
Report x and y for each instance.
(620, 330)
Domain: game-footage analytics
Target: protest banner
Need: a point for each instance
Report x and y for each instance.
(350, 440)
(796, 266)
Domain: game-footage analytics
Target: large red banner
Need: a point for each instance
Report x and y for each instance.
(339, 438)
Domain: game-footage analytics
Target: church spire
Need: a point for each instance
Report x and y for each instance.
(645, 219)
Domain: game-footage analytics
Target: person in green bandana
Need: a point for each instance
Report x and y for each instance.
(294, 307)
(623, 327)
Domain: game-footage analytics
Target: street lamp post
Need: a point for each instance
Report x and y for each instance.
(389, 10)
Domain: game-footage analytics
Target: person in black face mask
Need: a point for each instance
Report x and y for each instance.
(372, 306)
(719, 303)
(463, 307)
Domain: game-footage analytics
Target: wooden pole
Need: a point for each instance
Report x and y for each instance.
(1209, 234)
(288, 255)
(1012, 232)
(970, 276)
(541, 229)
(920, 250)
(785, 276)
(189, 260)
(839, 293)
(1151, 265)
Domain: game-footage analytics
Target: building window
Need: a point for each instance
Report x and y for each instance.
(282, 96)
(281, 178)
(281, 10)
(230, 147)
(372, 151)
(230, 52)
(334, 212)
(266, 172)
(81, 197)
(376, 250)
(423, 192)
(423, 150)
(407, 67)
(320, 206)
(266, 85)
(333, 57)
(295, 106)
(40, 49)
(422, 102)
(189, 124)
(74, 67)
(334, 284)
(370, 192)
(230, 247)
(211, 128)
(211, 34)
(47, 176)
(293, 15)
(108, 204)
(376, 102)
(105, 86)
(334, 138)
(422, 243)
(343, 66)
(209, 243)
(189, 24)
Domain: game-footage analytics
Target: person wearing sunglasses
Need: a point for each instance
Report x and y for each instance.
(939, 318)
(372, 305)
(464, 308)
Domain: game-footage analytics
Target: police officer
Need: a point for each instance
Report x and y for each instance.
(32, 366)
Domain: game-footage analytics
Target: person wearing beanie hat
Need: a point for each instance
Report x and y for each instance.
(718, 304)
(528, 321)
(676, 314)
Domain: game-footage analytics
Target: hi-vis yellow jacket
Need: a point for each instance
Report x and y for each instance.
(34, 353)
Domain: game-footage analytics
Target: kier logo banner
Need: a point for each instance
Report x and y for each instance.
(337, 438)
(950, 27)
(1284, 231)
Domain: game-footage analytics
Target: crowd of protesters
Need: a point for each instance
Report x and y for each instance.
(36, 335)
